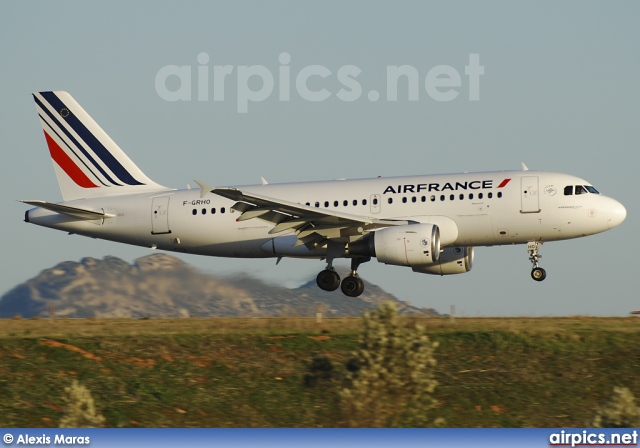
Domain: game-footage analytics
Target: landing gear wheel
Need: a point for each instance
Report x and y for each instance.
(538, 274)
(328, 280)
(352, 286)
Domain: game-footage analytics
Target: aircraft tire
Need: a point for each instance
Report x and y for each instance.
(328, 280)
(352, 286)
(538, 274)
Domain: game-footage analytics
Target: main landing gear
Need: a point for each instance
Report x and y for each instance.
(352, 285)
(537, 273)
(328, 280)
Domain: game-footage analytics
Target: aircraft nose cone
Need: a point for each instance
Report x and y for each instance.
(617, 214)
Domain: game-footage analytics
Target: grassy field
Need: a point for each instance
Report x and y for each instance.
(524, 372)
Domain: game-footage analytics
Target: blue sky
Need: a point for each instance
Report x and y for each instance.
(560, 92)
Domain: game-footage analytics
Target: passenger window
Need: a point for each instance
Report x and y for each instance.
(461, 197)
(221, 209)
(480, 195)
(326, 204)
(424, 199)
(433, 198)
(375, 201)
(442, 197)
(355, 202)
(500, 194)
(568, 190)
(317, 204)
(470, 195)
(404, 200)
(364, 202)
(204, 211)
(489, 195)
(452, 197)
(194, 212)
(414, 199)
(213, 211)
(390, 200)
(345, 202)
(307, 204)
(335, 203)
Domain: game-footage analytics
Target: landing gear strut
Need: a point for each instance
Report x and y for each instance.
(352, 285)
(537, 273)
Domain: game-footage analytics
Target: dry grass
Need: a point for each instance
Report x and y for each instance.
(249, 372)
(540, 326)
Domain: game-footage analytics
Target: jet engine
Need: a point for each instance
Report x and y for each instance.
(409, 245)
(453, 260)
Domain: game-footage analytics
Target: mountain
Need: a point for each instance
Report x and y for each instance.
(160, 285)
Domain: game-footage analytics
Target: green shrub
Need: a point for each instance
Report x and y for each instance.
(391, 377)
(620, 411)
(79, 408)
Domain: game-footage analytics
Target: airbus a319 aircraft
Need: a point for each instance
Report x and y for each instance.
(428, 223)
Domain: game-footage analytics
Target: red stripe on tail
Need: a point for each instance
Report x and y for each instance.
(68, 165)
(503, 183)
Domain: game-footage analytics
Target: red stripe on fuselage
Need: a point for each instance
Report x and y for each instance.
(68, 165)
(503, 183)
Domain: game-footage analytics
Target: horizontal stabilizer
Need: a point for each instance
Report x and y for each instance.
(74, 212)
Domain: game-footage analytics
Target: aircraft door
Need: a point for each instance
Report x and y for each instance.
(374, 203)
(529, 194)
(160, 215)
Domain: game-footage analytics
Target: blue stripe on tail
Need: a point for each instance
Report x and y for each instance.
(96, 146)
(74, 141)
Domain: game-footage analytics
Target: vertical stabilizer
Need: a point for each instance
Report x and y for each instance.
(86, 161)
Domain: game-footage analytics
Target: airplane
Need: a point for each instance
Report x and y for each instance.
(430, 223)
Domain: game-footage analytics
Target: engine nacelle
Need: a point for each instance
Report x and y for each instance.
(410, 245)
(453, 260)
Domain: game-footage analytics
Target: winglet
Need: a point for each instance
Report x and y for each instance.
(204, 188)
(524, 167)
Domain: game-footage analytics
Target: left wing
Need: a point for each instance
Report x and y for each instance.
(312, 225)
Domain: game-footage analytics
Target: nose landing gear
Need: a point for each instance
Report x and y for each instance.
(537, 273)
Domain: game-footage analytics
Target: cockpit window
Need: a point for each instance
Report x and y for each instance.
(579, 189)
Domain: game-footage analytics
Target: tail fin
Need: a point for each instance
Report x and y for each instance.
(87, 162)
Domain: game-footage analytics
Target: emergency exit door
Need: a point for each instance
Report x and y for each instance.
(374, 203)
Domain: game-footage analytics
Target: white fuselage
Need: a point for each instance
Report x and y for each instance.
(471, 209)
